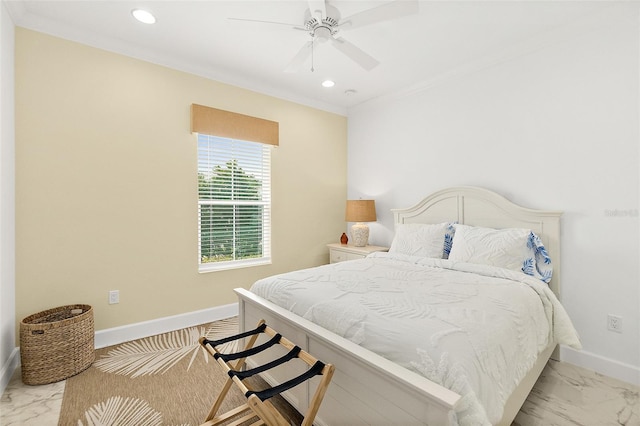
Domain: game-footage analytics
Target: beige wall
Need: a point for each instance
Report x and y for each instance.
(106, 183)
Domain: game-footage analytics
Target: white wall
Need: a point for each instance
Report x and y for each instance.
(555, 127)
(8, 352)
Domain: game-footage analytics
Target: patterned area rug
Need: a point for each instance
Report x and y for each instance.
(167, 379)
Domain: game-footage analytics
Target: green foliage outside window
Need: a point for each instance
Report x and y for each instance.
(231, 226)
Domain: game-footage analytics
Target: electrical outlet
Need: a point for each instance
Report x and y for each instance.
(614, 323)
(114, 297)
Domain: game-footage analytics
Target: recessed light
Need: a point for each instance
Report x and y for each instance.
(328, 83)
(350, 92)
(143, 16)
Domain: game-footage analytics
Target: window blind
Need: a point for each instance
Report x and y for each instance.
(234, 202)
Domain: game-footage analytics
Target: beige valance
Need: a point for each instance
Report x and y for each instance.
(226, 124)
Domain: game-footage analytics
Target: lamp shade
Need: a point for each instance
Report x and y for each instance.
(361, 211)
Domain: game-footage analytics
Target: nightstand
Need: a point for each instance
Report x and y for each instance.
(340, 252)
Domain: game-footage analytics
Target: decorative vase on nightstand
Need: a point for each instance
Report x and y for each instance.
(344, 239)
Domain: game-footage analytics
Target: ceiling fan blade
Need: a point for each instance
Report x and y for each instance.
(355, 53)
(294, 26)
(318, 9)
(298, 60)
(385, 12)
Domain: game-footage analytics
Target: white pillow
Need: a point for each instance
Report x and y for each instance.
(504, 248)
(416, 239)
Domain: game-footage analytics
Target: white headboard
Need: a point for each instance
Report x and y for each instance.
(481, 207)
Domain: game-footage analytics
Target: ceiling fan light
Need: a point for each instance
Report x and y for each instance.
(143, 16)
(328, 83)
(322, 34)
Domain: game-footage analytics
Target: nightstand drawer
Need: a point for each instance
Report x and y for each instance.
(340, 256)
(337, 256)
(341, 252)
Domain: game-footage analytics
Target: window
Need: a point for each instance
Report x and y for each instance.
(234, 187)
(234, 203)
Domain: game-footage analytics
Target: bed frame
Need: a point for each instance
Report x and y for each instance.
(368, 389)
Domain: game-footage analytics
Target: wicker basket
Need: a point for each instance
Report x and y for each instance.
(56, 344)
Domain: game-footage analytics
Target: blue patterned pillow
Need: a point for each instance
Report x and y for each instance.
(537, 263)
(448, 239)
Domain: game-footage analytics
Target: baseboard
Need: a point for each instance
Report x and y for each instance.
(126, 333)
(9, 368)
(606, 366)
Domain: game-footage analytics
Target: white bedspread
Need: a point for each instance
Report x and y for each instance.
(474, 329)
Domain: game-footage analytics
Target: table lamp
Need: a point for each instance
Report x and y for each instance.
(360, 211)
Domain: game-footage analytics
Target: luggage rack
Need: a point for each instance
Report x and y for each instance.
(258, 404)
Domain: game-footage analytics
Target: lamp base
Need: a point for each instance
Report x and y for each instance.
(360, 234)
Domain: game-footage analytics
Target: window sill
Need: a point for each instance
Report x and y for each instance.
(236, 264)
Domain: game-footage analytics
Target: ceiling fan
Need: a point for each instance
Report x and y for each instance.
(322, 21)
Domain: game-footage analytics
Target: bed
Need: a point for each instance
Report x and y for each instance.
(424, 375)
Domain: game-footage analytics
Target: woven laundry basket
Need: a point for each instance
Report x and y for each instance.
(56, 344)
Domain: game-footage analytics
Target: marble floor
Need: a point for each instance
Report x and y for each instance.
(564, 395)
(568, 395)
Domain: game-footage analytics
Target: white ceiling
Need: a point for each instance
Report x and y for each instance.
(444, 38)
